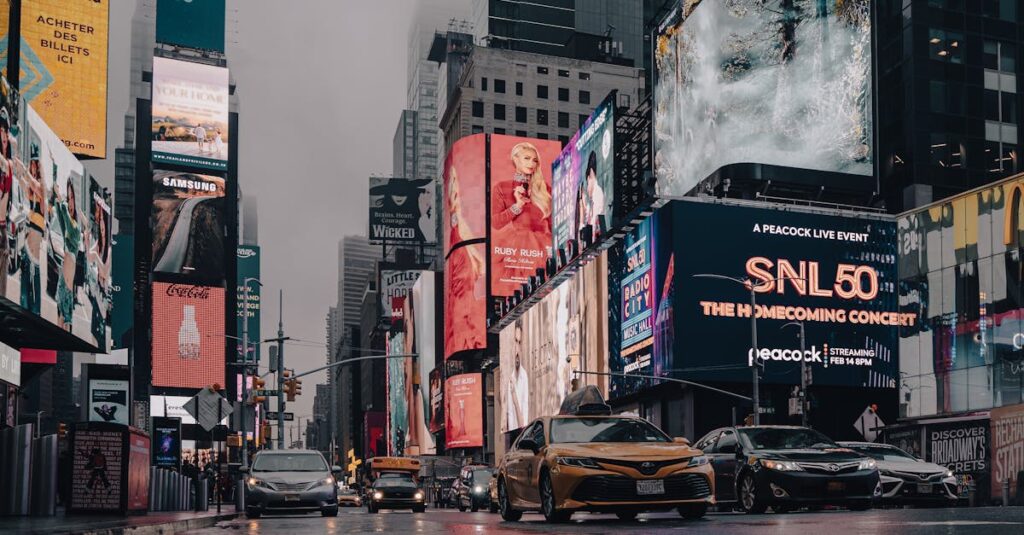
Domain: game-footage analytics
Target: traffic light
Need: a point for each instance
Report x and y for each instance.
(292, 388)
(62, 430)
(286, 374)
(257, 385)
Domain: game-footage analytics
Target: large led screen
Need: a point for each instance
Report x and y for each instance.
(542, 351)
(521, 209)
(395, 284)
(398, 400)
(248, 267)
(190, 114)
(402, 210)
(188, 224)
(64, 69)
(108, 401)
(436, 400)
(835, 274)
(420, 338)
(56, 238)
(464, 418)
(583, 179)
(778, 82)
(188, 335)
(374, 434)
(465, 198)
(465, 299)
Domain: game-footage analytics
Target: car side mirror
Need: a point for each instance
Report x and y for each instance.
(528, 444)
(681, 440)
(336, 469)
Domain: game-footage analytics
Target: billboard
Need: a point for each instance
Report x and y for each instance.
(402, 210)
(465, 197)
(566, 332)
(188, 224)
(191, 23)
(398, 401)
(464, 411)
(55, 240)
(521, 209)
(395, 284)
(248, 266)
(108, 401)
(583, 179)
(10, 366)
(420, 338)
(750, 85)
(64, 69)
(190, 114)
(97, 481)
(436, 400)
(167, 442)
(465, 299)
(838, 278)
(963, 447)
(188, 335)
(1007, 446)
(123, 298)
(374, 434)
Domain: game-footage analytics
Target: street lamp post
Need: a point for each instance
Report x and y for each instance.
(245, 380)
(756, 361)
(803, 371)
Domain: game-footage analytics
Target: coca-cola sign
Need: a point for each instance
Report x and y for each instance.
(189, 291)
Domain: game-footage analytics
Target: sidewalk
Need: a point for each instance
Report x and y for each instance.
(152, 523)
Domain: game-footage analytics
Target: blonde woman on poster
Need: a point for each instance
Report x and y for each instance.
(520, 218)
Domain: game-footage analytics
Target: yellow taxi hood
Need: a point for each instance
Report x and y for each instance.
(651, 451)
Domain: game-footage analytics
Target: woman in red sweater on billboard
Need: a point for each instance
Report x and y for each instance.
(520, 220)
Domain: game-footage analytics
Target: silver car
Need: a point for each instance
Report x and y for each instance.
(286, 481)
(906, 479)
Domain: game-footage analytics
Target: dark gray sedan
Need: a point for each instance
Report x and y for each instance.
(290, 481)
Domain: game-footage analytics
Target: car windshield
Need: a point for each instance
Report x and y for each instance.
(578, 430)
(296, 462)
(881, 453)
(480, 476)
(393, 482)
(780, 438)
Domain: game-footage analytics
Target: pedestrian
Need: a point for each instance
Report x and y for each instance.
(200, 134)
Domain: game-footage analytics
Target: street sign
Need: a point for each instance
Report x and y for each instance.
(869, 424)
(264, 392)
(288, 416)
(203, 407)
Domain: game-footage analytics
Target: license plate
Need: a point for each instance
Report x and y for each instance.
(291, 497)
(646, 487)
(836, 486)
(924, 488)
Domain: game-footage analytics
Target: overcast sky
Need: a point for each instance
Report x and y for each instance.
(321, 85)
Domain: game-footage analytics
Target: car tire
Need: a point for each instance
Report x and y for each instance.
(253, 514)
(748, 499)
(493, 508)
(859, 506)
(332, 511)
(547, 501)
(474, 508)
(508, 514)
(693, 511)
(462, 508)
(419, 509)
(627, 516)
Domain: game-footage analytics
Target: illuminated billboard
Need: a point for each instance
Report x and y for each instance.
(108, 401)
(766, 83)
(398, 402)
(420, 338)
(374, 431)
(188, 335)
(583, 179)
(190, 114)
(521, 209)
(465, 299)
(540, 353)
(395, 284)
(464, 423)
(64, 69)
(436, 400)
(402, 210)
(465, 197)
(248, 267)
(188, 224)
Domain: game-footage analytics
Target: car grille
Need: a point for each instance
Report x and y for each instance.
(912, 477)
(830, 468)
(292, 487)
(621, 488)
(647, 468)
(397, 494)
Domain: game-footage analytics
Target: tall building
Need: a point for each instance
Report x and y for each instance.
(404, 146)
(948, 99)
(250, 220)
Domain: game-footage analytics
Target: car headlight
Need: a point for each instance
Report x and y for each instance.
(418, 495)
(478, 489)
(867, 464)
(699, 460)
(378, 495)
(781, 466)
(255, 482)
(579, 462)
(327, 481)
(949, 473)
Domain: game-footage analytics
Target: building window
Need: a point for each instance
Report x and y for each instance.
(584, 76)
(499, 112)
(957, 5)
(564, 140)
(946, 97)
(542, 91)
(1002, 9)
(947, 151)
(1000, 106)
(542, 70)
(478, 108)
(499, 130)
(563, 119)
(945, 46)
(477, 129)
(584, 97)
(583, 120)
(519, 89)
(1000, 157)
(563, 73)
(1000, 56)
(499, 86)
(563, 94)
(520, 114)
(542, 117)
(521, 133)
(541, 135)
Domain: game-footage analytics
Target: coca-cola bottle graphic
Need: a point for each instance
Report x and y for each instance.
(188, 334)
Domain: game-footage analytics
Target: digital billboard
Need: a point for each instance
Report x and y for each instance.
(190, 114)
(465, 198)
(398, 405)
(191, 23)
(64, 69)
(188, 335)
(521, 209)
(465, 299)
(564, 333)
(188, 224)
(583, 179)
(374, 434)
(122, 289)
(10, 366)
(248, 266)
(167, 442)
(55, 240)
(834, 273)
(464, 423)
(402, 210)
(1007, 442)
(762, 83)
(108, 401)
(395, 284)
(420, 338)
(436, 400)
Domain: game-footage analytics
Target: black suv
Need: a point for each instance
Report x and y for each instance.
(787, 467)
(473, 491)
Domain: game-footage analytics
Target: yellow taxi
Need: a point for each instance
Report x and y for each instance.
(593, 461)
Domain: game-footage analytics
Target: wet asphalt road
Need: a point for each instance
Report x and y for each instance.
(984, 521)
